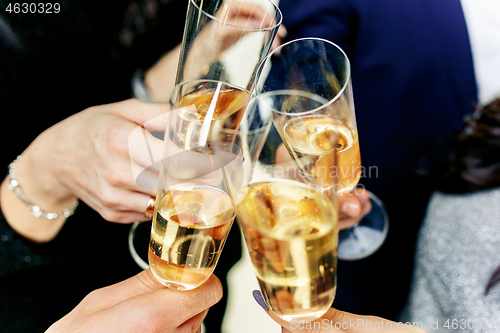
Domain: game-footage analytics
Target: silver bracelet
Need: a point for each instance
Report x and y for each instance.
(35, 210)
(139, 89)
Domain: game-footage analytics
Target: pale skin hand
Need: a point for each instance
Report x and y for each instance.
(141, 304)
(85, 156)
(353, 206)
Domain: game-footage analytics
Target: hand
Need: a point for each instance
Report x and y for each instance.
(141, 304)
(86, 156)
(353, 206)
(338, 321)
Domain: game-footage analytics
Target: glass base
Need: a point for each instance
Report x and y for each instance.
(367, 236)
(138, 242)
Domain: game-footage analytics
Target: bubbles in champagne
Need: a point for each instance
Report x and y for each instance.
(221, 104)
(189, 230)
(325, 150)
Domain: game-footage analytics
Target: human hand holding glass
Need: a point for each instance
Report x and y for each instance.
(133, 305)
(310, 92)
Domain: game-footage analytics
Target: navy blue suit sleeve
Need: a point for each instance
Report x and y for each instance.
(329, 19)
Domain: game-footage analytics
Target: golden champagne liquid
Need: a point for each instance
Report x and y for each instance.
(291, 235)
(208, 115)
(188, 233)
(311, 141)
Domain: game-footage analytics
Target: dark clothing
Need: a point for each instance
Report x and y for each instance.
(413, 81)
(52, 66)
(39, 284)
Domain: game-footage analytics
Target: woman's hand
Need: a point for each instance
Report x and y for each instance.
(87, 156)
(141, 304)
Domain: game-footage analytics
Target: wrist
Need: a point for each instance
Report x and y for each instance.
(22, 221)
(41, 179)
(35, 209)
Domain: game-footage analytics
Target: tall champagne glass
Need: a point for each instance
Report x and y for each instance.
(194, 206)
(206, 112)
(290, 231)
(224, 41)
(309, 89)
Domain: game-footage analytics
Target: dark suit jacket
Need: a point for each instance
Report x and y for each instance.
(413, 81)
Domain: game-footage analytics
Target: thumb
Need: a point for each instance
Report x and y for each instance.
(142, 283)
(339, 321)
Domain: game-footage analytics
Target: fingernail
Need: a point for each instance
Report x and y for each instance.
(351, 209)
(257, 295)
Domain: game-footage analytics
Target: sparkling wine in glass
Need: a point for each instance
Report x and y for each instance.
(290, 227)
(195, 207)
(190, 226)
(291, 234)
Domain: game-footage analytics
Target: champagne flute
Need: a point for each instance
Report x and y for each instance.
(195, 207)
(224, 41)
(310, 92)
(206, 112)
(290, 231)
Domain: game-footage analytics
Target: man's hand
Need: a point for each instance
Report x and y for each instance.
(141, 304)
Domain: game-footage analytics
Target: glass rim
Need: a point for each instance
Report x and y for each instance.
(270, 28)
(329, 102)
(191, 186)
